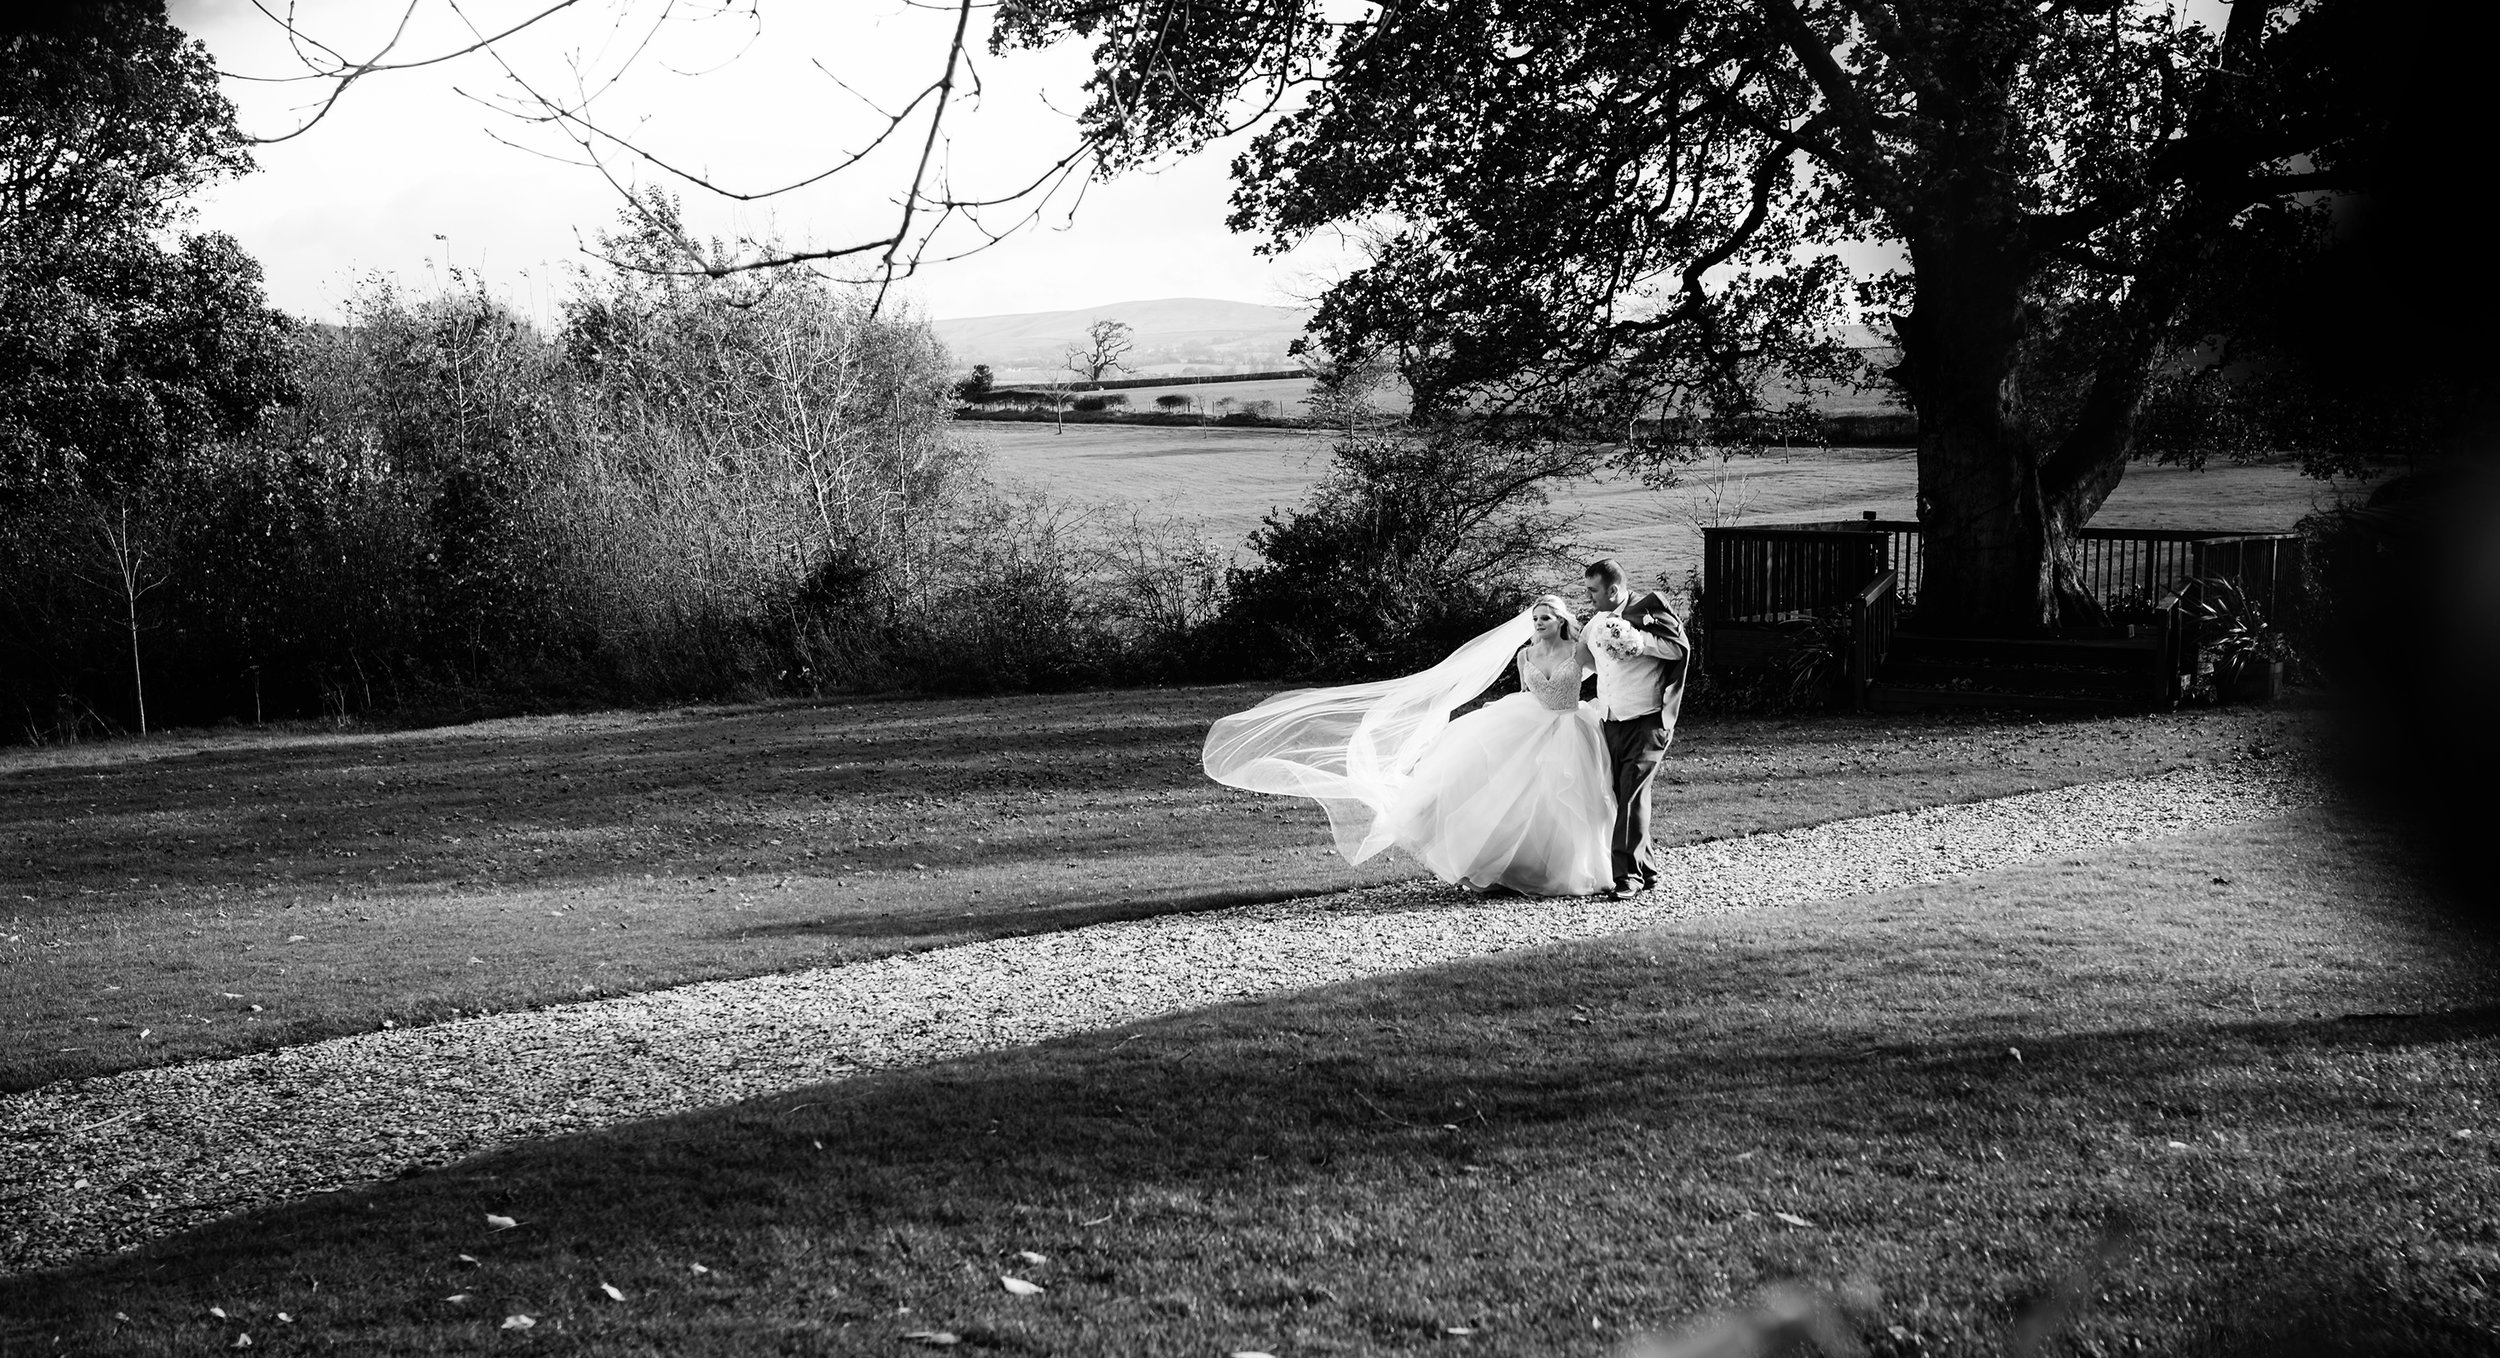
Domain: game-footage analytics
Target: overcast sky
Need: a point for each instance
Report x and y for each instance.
(410, 173)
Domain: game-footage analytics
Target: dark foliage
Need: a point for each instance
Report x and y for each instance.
(123, 355)
(109, 118)
(120, 350)
(1408, 546)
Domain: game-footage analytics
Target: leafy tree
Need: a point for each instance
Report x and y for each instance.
(109, 119)
(978, 387)
(125, 354)
(1604, 203)
(122, 350)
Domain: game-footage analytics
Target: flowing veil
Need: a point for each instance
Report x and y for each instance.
(1350, 748)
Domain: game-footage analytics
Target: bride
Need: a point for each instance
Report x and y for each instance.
(1518, 793)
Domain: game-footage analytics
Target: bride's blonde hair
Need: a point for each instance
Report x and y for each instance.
(1562, 610)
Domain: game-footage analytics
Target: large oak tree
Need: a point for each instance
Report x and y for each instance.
(1580, 200)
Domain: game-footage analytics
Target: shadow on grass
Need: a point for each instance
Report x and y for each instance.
(1550, 1150)
(1033, 919)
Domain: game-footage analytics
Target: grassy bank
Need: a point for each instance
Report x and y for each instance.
(181, 898)
(2233, 1063)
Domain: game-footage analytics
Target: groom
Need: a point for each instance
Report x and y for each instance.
(1638, 695)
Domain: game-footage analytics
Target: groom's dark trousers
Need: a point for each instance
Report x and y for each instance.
(1635, 744)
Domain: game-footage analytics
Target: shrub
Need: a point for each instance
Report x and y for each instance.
(1407, 547)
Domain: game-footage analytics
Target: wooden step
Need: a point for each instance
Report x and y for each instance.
(1883, 697)
(2085, 680)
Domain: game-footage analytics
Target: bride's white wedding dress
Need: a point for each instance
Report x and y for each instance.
(1518, 793)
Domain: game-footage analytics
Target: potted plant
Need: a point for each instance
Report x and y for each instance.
(2238, 657)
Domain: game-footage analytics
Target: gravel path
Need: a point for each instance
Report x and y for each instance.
(96, 1165)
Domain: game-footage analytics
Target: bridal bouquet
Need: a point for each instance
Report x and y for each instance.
(1615, 636)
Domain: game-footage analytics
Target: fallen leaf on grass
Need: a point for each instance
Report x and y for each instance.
(1792, 1218)
(1460, 1329)
(1018, 1287)
(610, 1289)
(468, 1258)
(217, 1311)
(285, 1319)
(698, 1268)
(457, 1297)
(936, 1339)
(1251, 1353)
(241, 1341)
(2018, 1054)
(496, 1223)
(518, 1322)
(1030, 1257)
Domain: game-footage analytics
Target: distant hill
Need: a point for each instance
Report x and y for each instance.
(1176, 337)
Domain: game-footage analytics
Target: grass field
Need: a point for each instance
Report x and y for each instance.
(1228, 478)
(175, 899)
(2219, 1094)
(1291, 394)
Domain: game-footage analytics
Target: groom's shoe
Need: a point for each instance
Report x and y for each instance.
(1628, 888)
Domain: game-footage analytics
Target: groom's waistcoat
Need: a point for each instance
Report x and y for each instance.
(1635, 686)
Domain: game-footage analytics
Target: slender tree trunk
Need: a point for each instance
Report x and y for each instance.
(138, 679)
(128, 563)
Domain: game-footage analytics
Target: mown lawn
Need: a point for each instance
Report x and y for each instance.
(175, 899)
(2237, 1064)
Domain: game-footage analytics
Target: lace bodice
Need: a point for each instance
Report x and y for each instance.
(1555, 691)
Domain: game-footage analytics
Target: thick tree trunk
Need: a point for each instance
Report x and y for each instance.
(1999, 542)
(2003, 501)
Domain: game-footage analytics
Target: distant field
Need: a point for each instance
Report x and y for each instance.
(1293, 394)
(1228, 478)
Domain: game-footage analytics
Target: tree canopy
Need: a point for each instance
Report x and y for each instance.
(1599, 203)
(122, 345)
(109, 119)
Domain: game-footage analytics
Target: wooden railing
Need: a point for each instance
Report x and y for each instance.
(1751, 574)
(1778, 570)
(1872, 617)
